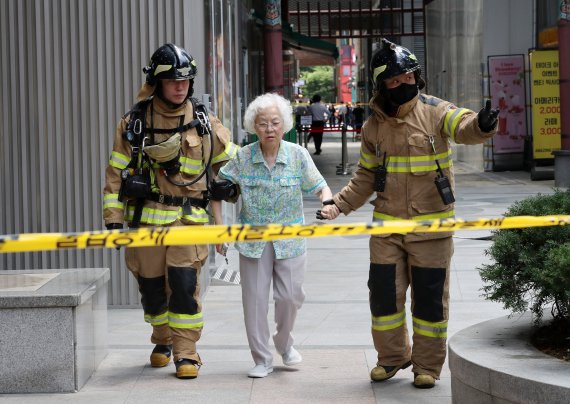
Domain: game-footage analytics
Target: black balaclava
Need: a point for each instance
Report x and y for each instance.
(403, 93)
(390, 100)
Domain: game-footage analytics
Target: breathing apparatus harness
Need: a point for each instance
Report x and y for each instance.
(136, 177)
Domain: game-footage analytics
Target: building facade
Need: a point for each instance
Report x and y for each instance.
(69, 70)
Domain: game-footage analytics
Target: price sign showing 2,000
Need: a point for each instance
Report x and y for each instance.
(545, 90)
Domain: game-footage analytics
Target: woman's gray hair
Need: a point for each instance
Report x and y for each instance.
(265, 101)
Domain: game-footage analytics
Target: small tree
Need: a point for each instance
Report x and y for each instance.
(532, 266)
(318, 80)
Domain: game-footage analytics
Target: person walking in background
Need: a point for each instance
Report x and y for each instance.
(271, 176)
(300, 110)
(405, 158)
(155, 178)
(332, 116)
(357, 116)
(348, 115)
(319, 112)
(341, 114)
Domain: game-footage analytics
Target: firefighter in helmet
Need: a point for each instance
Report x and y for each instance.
(406, 161)
(157, 176)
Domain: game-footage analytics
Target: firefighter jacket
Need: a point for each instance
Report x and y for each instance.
(195, 152)
(410, 192)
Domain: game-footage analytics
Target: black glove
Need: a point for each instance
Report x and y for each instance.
(171, 167)
(114, 226)
(319, 212)
(222, 190)
(487, 117)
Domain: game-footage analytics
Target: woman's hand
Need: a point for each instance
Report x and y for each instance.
(328, 211)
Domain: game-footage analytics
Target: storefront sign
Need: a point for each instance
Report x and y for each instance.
(507, 92)
(545, 102)
(565, 10)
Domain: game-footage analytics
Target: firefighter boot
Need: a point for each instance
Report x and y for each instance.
(423, 381)
(381, 373)
(187, 368)
(160, 356)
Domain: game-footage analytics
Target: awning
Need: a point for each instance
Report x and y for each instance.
(303, 42)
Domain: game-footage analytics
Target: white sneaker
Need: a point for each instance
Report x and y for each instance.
(292, 357)
(260, 371)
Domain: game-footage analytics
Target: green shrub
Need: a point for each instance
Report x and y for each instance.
(531, 266)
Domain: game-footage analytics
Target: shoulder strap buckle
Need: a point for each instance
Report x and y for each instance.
(137, 127)
(201, 114)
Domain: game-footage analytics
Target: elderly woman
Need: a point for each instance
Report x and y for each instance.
(272, 175)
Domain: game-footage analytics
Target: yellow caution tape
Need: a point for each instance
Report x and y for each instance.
(183, 235)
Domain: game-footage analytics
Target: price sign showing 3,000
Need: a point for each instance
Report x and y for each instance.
(545, 87)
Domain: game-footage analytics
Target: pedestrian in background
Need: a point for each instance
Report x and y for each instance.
(154, 178)
(272, 175)
(332, 116)
(357, 116)
(319, 112)
(300, 110)
(405, 158)
(342, 114)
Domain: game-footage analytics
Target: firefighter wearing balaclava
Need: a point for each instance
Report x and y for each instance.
(406, 161)
(156, 177)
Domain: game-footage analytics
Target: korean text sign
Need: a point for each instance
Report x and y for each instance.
(545, 103)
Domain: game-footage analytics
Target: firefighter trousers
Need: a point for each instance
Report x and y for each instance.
(396, 263)
(169, 283)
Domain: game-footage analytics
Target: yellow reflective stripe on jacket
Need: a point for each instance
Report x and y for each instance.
(155, 216)
(176, 320)
(199, 215)
(452, 118)
(112, 201)
(383, 323)
(191, 166)
(229, 153)
(369, 161)
(377, 216)
(417, 164)
(119, 160)
(429, 329)
(156, 320)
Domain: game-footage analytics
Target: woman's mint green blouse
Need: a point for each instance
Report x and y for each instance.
(273, 196)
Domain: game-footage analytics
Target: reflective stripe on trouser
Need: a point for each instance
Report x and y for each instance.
(256, 276)
(395, 265)
(176, 323)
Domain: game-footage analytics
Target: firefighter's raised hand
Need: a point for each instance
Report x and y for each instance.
(487, 117)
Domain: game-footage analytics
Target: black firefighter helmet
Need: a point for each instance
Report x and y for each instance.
(389, 60)
(170, 62)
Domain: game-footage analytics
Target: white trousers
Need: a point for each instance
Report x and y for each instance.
(256, 275)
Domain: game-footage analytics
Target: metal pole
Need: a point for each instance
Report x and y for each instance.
(343, 170)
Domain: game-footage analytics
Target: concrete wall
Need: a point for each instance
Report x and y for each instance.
(460, 35)
(509, 29)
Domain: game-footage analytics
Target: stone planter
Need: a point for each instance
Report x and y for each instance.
(494, 362)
